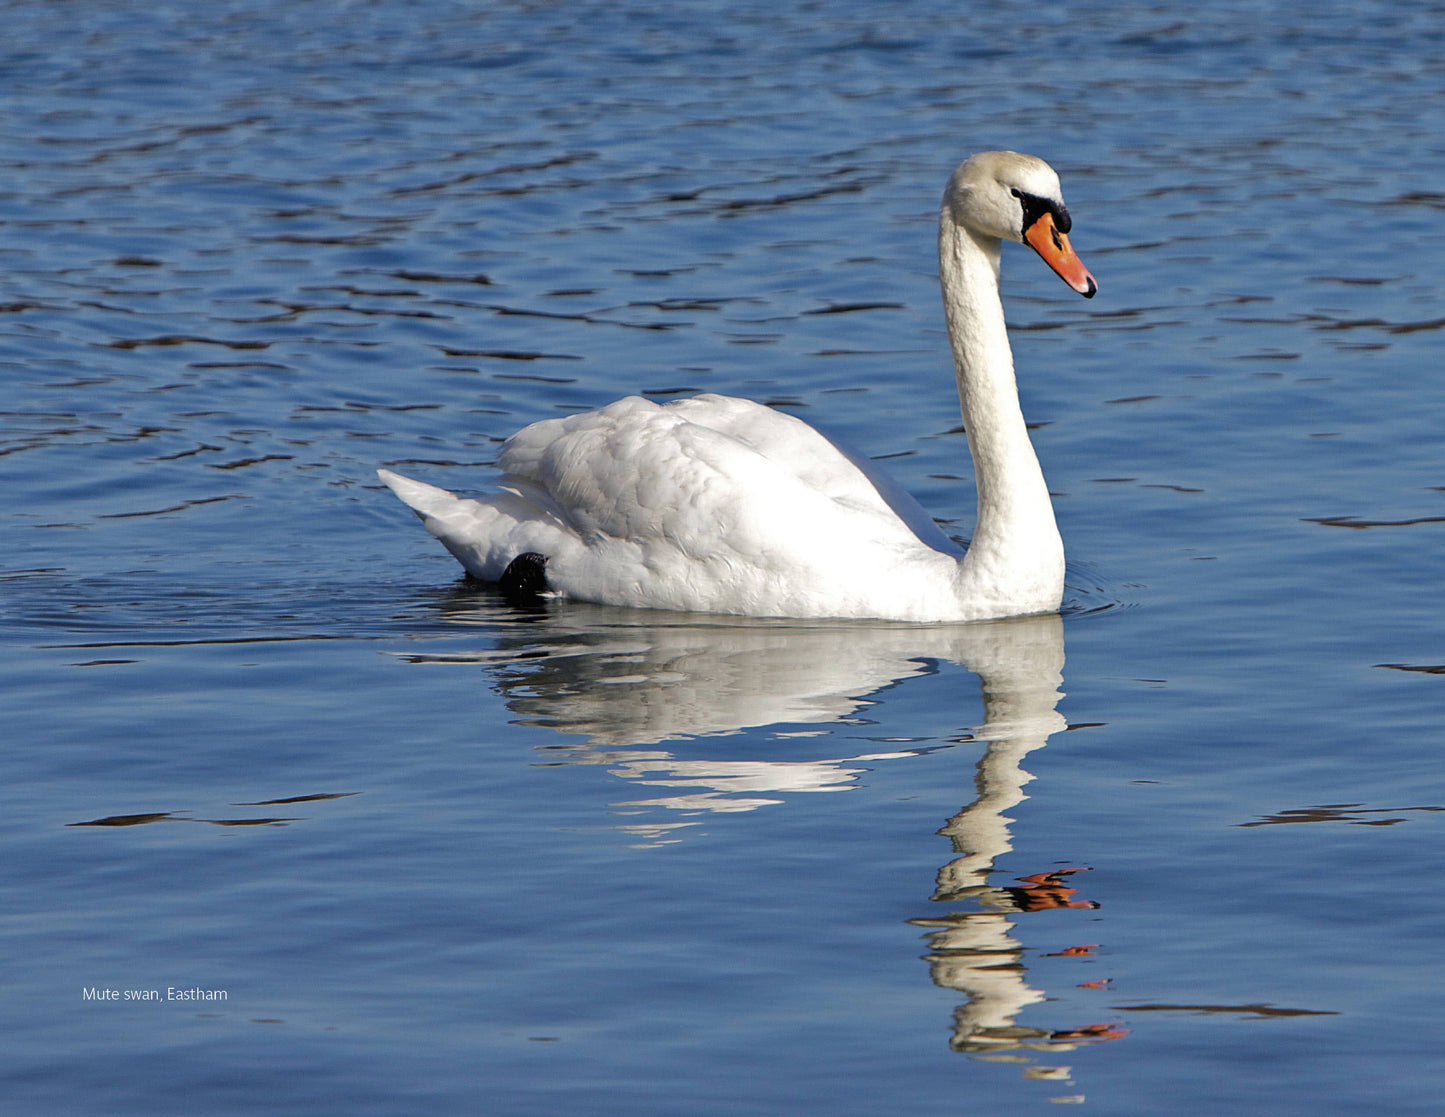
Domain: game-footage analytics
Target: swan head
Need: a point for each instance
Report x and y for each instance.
(1008, 196)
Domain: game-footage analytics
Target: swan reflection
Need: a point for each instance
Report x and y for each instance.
(1020, 669)
(626, 689)
(644, 685)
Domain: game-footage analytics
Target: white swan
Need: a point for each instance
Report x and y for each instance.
(722, 505)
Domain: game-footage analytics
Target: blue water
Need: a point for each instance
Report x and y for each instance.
(1174, 853)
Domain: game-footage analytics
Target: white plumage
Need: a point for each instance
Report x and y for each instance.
(722, 505)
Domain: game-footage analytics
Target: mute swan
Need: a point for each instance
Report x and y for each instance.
(722, 505)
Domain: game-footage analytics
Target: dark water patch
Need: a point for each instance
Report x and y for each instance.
(1040, 327)
(367, 292)
(244, 463)
(1132, 399)
(736, 206)
(171, 816)
(294, 310)
(858, 353)
(590, 319)
(654, 273)
(1140, 327)
(356, 406)
(332, 240)
(534, 378)
(1254, 1011)
(140, 434)
(1329, 324)
(1239, 300)
(494, 172)
(1416, 327)
(182, 507)
(1127, 312)
(79, 382)
(1430, 199)
(1137, 246)
(1353, 813)
(126, 819)
(1356, 522)
(1180, 188)
(115, 308)
(686, 303)
(489, 657)
(1286, 320)
(852, 308)
(509, 354)
(166, 340)
(475, 279)
(201, 642)
(265, 366)
(299, 799)
(1424, 669)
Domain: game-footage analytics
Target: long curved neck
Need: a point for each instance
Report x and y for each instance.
(1016, 558)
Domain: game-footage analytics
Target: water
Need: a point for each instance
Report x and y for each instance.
(440, 854)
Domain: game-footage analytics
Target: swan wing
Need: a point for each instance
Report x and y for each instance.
(686, 469)
(709, 503)
(814, 457)
(604, 467)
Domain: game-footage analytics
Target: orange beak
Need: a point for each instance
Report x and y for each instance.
(1043, 237)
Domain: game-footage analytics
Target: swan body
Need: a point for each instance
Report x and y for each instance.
(721, 505)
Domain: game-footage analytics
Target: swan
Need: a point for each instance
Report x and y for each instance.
(720, 505)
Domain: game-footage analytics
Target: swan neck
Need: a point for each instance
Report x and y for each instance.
(1015, 553)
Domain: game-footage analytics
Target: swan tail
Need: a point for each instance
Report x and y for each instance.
(425, 500)
(483, 535)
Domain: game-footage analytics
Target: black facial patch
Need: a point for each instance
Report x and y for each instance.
(1035, 207)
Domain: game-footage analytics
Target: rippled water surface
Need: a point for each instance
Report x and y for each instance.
(1176, 852)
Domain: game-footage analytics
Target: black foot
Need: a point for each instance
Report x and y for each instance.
(525, 578)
